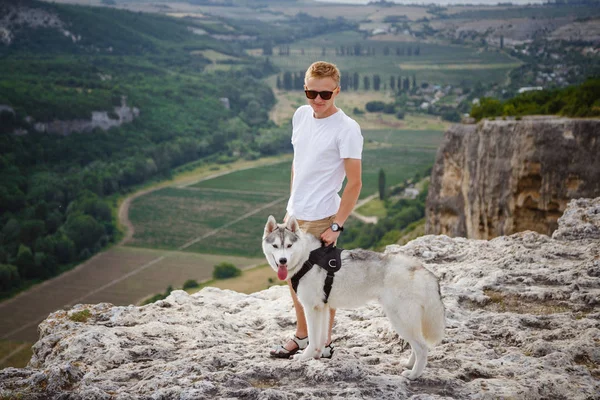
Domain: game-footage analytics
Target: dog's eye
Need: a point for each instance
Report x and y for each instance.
(289, 245)
(275, 246)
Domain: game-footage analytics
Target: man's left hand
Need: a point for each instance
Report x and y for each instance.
(329, 236)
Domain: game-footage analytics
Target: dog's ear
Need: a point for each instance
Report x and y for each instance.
(270, 226)
(292, 224)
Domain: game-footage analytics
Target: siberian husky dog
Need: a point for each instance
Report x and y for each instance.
(408, 292)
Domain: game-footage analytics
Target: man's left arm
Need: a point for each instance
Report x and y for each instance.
(353, 168)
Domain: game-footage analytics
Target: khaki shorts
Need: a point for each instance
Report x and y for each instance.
(316, 227)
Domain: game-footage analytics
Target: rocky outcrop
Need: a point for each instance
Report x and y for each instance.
(14, 16)
(100, 119)
(501, 177)
(523, 322)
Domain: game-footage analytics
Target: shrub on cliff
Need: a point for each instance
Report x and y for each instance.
(573, 101)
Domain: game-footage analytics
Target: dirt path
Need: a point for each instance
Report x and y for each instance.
(124, 213)
(364, 218)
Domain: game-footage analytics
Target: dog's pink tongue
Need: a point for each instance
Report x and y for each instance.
(282, 273)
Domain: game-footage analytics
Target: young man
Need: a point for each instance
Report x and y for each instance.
(327, 148)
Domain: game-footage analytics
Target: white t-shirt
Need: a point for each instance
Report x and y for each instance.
(320, 147)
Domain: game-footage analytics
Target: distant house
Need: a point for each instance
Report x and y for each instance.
(411, 193)
(225, 102)
(530, 88)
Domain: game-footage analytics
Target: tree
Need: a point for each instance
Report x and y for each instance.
(375, 106)
(287, 80)
(84, 231)
(267, 49)
(31, 230)
(392, 83)
(487, 107)
(64, 248)
(355, 80)
(89, 203)
(298, 81)
(190, 284)
(366, 82)
(389, 108)
(25, 262)
(381, 184)
(11, 231)
(9, 277)
(344, 81)
(376, 82)
(226, 270)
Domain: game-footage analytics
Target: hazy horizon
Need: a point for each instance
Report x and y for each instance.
(442, 2)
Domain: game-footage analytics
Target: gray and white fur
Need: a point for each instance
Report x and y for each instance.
(408, 292)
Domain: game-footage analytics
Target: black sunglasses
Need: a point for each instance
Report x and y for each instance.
(312, 94)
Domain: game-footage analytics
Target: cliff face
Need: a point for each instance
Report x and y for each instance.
(501, 177)
(522, 312)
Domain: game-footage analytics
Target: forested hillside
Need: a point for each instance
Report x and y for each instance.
(60, 63)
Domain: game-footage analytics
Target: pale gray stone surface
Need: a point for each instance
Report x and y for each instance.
(523, 322)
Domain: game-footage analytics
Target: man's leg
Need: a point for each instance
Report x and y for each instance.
(301, 327)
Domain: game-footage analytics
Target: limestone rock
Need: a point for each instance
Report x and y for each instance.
(501, 177)
(100, 119)
(523, 322)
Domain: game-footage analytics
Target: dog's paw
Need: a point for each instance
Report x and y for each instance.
(409, 374)
(307, 354)
(301, 356)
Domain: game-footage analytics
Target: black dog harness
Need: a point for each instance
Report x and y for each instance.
(327, 257)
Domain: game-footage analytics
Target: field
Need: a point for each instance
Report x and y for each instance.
(122, 276)
(226, 215)
(467, 65)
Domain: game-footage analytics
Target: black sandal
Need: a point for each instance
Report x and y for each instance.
(282, 352)
(327, 351)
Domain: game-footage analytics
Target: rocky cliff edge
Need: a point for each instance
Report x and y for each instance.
(523, 322)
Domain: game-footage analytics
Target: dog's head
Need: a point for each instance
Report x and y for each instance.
(281, 245)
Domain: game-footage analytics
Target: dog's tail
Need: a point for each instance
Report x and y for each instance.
(433, 323)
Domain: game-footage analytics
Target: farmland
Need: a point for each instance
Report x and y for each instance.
(225, 215)
(467, 64)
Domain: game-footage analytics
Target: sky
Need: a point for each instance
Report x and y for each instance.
(441, 2)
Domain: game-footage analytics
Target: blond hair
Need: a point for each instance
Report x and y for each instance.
(323, 69)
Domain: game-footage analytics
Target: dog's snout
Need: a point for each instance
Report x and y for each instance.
(283, 261)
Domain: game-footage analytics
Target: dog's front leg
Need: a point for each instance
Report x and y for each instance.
(324, 334)
(314, 321)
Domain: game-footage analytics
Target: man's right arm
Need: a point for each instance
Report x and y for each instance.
(291, 185)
